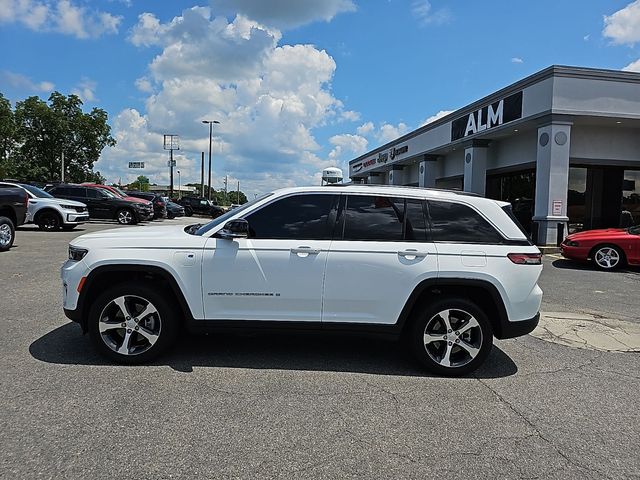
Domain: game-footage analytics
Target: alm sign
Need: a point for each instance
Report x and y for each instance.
(498, 113)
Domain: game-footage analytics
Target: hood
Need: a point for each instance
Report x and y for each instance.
(137, 200)
(58, 201)
(141, 236)
(604, 232)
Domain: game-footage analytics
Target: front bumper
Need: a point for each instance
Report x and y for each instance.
(76, 218)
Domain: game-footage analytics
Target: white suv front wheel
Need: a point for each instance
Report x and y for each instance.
(451, 337)
(132, 323)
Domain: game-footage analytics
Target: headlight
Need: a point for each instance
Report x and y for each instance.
(571, 243)
(68, 207)
(76, 254)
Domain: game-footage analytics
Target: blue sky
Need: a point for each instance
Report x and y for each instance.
(297, 85)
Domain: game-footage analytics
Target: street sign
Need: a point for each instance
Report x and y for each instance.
(171, 163)
(136, 164)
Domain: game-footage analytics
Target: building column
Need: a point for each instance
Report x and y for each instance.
(552, 181)
(375, 179)
(427, 172)
(475, 167)
(396, 175)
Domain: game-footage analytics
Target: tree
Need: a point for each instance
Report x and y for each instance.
(46, 130)
(7, 134)
(142, 183)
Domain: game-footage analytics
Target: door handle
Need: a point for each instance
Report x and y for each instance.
(304, 250)
(412, 252)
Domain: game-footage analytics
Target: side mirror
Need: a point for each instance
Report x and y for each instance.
(238, 228)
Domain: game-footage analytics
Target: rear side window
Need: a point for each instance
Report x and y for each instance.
(457, 223)
(373, 218)
(299, 217)
(93, 193)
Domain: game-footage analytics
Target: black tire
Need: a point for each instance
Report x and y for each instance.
(613, 253)
(478, 338)
(188, 211)
(126, 216)
(48, 221)
(168, 319)
(170, 216)
(7, 234)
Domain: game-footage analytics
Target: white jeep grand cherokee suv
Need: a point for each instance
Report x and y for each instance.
(446, 271)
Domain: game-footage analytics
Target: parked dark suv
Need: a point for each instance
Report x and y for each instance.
(200, 205)
(102, 203)
(159, 205)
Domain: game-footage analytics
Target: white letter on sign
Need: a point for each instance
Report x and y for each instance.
(495, 118)
(471, 124)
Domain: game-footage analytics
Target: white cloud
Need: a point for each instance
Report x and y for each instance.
(144, 85)
(517, 60)
(268, 97)
(437, 116)
(351, 115)
(347, 144)
(284, 14)
(633, 67)
(388, 132)
(22, 82)
(61, 16)
(427, 15)
(623, 26)
(365, 128)
(86, 90)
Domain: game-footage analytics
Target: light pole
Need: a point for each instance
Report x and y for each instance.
(210, 122)
(171, 143)
(179, 185)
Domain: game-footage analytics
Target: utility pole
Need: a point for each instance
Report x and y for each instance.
(62, 173)
(226, 186)
(210, 122)
(171, 143)
(238, 199)
(202, 175)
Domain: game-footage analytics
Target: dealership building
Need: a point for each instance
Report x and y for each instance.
(563, 146)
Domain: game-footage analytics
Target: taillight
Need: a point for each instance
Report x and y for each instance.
(26, 201)
(526, 258)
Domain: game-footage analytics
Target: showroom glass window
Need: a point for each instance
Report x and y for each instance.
(298, 217)
(373, 218)
(630, 198)
(456, 223)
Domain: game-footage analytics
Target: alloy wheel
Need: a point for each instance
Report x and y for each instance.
(125, 217)
(48, 222)
(130, 325)
(607, 257)
(5, 235)
(452, 338)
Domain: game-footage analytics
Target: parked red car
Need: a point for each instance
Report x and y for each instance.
(608, 249)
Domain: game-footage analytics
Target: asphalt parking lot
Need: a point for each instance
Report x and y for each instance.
(309, 406)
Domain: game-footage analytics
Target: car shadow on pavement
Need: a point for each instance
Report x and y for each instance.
(586, 266)
(320, 352)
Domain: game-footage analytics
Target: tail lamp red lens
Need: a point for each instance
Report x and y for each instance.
(526, 258)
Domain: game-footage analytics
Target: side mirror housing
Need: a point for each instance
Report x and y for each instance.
(238, 228)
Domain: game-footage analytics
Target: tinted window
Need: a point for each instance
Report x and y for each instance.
(456, 223)
(303, 217)
(76, 191)
(416, 226)
(63, 191)
(373, 218)
(93, 193)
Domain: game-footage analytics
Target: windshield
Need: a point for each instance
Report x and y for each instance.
(35, 191)
(225, 216)
(634, 230)
(108, 193)
(122, 194)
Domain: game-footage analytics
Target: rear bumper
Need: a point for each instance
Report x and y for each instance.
(519, 328)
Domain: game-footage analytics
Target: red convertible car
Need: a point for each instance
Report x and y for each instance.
(608, 249)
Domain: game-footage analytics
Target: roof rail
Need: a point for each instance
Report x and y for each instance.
(457, 192)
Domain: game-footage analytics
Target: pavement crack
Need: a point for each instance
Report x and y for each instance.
(537, 431)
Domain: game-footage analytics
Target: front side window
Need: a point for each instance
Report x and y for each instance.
(457, 223)
(300, 217)
(75, 192)
(373, 218)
